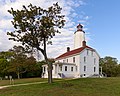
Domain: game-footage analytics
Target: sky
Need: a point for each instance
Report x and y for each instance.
(100, 18)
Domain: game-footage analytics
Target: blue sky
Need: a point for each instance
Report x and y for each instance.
(104, 26)
(101, 20)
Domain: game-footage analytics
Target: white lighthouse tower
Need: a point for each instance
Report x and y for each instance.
(79, 37)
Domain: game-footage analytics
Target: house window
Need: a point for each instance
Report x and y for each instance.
(73, 59)
(84, 59)
(55, 69)
(94, 60)
(76, 68)
(65, 68)
(60, 68)
(92, 53)
(44, 69)
(84, 68)
(87, 52)
(71, 68)
(63, 61)
(67, 60)
(94, 69)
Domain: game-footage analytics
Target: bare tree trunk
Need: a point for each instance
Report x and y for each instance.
(49, 69)
(50, 80)
(49, 72)
(49, 64)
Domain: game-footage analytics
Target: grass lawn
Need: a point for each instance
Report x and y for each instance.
(76, 87)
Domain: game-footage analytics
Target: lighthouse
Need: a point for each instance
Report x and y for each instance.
(79, 37)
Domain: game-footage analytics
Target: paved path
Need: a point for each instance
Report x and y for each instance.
(1, 87)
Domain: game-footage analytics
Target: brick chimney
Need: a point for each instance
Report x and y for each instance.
(68, 49)
(84, 43)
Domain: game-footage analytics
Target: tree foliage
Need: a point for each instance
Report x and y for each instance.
(16, 63)
(110, 66)
(35, 27)
(20, 63)
(3, 64)
(6, 54)
(4, 61)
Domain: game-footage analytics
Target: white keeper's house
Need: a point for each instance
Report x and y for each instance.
(82, 61)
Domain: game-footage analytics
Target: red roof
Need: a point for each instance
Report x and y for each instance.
(73, 52)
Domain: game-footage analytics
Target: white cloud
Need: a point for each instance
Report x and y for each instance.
(4, 43)
(61, 41)
(6, 24)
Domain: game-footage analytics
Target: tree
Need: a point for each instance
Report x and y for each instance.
(109, 66)
(35, 27)
(20, 62)
(31, 67)
(4, 62)
(6, 55)
(17, 63)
